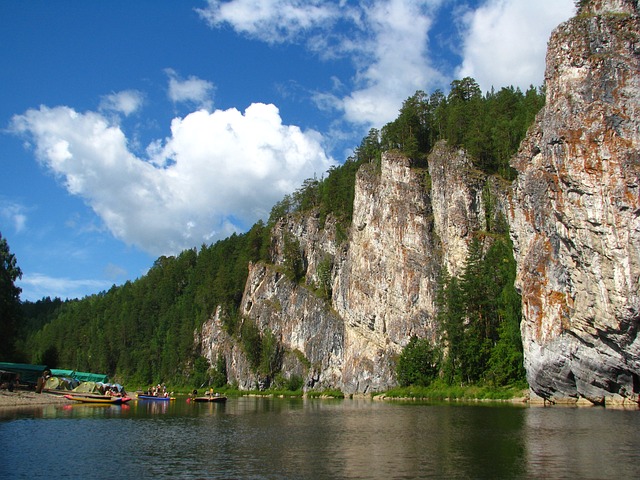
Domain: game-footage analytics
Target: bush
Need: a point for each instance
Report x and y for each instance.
(419, 363)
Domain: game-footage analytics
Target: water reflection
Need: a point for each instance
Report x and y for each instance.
(293, 438)
(583, 442)
(151, 407)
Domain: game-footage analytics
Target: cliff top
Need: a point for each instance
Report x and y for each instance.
(597, 7)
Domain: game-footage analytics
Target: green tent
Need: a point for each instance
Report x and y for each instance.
(60, 383)
(88, 387)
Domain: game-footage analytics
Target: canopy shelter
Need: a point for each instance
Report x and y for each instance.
(29, 374)
(80, 376)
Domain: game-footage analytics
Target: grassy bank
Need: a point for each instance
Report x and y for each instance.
(443, 392)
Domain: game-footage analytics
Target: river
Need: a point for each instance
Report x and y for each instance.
(272, 438)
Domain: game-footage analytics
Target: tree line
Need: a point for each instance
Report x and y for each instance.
(489, 127)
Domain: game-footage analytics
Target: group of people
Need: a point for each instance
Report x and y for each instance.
(159, 390)
(114, 391)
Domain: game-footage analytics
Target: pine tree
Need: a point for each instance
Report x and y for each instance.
(10, 312)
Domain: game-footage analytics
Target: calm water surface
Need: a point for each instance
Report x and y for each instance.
(264, 438)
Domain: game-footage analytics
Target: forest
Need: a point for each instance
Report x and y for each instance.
(143, 331)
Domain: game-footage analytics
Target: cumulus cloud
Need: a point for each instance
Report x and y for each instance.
(193, 91)
(505, 41)
(125, 102)
(216, 174)
(387, 42)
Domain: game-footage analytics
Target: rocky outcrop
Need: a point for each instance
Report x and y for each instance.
(407, 223)
(383, 290)
(575, 212)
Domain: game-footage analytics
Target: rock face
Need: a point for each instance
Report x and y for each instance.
(407, 224)
(575, 212)
(384, 288)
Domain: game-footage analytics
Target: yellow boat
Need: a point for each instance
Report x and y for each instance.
(104, 399)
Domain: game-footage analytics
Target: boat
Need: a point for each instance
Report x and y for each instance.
(155, 398)
(104, 399)
(209, 398)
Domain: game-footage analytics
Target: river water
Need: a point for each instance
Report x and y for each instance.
(271, 438)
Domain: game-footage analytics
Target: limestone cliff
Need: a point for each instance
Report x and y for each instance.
(575, 212)
(407, 223)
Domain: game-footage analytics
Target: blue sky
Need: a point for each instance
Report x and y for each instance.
(132, 130)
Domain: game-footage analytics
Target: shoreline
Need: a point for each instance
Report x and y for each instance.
(22, 398)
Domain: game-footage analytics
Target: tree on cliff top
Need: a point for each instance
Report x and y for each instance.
(9, 299)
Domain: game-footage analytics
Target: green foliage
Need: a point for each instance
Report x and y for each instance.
(451, 316)
(219, 372)
(200, 370)
(419, 363)
(10, 313)
(324, 276)
(329, 393)
(143, 330)
(294, 383)
(441, 391)
(294, 266)
(410, 132)
(251, 342)
(489, 127)
(480, 316)
(270, 355)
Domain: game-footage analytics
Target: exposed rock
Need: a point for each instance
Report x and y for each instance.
(384, 276)
(575, 212)
(215, 341)
(384, 290)
(300, 321)
(457, 202)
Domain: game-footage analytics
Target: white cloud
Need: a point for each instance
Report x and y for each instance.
(218, 173)
(15, 214)
(505, 41)
(385, 40)
(271, 21)
(37, 286)
(193, 91)
(399, 61)
(125, 102)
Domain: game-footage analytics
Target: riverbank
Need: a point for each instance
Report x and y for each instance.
(20, 398)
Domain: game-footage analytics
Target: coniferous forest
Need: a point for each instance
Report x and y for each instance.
(143, 331)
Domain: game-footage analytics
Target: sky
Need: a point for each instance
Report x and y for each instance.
(132, 130)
